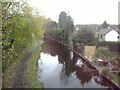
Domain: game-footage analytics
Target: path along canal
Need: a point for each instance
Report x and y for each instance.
(57, 69)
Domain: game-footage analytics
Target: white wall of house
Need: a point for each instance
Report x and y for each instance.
(111, 36)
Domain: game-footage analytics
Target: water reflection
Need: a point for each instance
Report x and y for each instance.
(57, 65)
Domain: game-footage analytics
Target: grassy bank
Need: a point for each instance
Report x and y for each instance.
(9, 74)
(112, 76)
(116, 78)
(32, 69)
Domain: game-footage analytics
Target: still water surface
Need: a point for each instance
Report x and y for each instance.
(57, 69)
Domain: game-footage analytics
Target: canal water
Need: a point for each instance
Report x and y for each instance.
(57, 68)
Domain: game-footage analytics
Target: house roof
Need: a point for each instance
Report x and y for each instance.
(104, 31)
(96, 27)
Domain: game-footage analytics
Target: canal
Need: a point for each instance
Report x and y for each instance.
(58, 68)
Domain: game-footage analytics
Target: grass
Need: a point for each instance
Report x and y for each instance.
(32, 69)
(105, 71)
(116, 78)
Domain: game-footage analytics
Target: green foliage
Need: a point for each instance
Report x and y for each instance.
(49, 25)
(66, 24)
(51, 28)
(102, 52)
(85, 36)
(32, 69)
(105, 71)
(56, 33)
(18, 26)
(113, 46)
(61, 31)
(105, 25)
(37, 26)
(63, 20)
(116, 78)
(103, 44)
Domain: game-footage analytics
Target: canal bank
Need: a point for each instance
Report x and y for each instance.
(93, 67)
(23, 73)
(21, 79)
(57, 52)
(9, 75)
(31, 72)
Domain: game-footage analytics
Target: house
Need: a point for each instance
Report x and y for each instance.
(108, 34)
(104, 34)
(94, 27)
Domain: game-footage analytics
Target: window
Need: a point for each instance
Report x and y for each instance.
(118, 37)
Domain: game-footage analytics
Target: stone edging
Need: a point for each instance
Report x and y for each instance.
(88, 62)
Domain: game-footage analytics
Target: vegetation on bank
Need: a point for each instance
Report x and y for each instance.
(21, 26)
(110, 51)
(9, 74)
(116, 78)
(62, 30)
(31, 73)
(112, 46)
(103, 53)
(105, 71)
(112, 75)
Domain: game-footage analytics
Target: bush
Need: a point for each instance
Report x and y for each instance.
(113, 46)
(103, 44)
(85, 36)
(102, 52)
(105, 71)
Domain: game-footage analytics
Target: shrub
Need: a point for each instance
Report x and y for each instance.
(113, 46)
(105, 71)
(102, 52)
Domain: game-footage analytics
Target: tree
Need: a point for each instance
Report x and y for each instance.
(63, 20)
(84, 36)
(66, 24)
(37, 26)
(56, 34)
(51, 29)
(105, 25)
(49, 25)
(18, 25)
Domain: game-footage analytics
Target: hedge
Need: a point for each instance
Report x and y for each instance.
(113, 46)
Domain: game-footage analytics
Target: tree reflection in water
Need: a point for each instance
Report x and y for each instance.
(68, 63)
(84, 73)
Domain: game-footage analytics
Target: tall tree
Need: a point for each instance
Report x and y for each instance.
(63, 20)
(105, 25)
(66, 24)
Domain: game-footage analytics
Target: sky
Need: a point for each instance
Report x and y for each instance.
(82, 11)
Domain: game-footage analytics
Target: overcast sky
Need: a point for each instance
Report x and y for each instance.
(82, 11)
